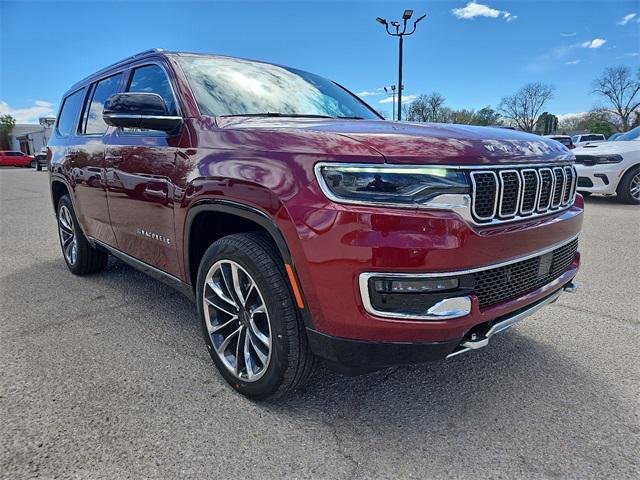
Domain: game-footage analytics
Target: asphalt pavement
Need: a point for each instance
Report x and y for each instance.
(107, 376)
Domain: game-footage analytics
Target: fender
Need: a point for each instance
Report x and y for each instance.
(57, 177)
(250, 213)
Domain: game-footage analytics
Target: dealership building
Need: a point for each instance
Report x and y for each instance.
(31, 137)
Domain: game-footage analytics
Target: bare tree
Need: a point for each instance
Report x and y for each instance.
(427, 108)
(619, 88)
(524, 106)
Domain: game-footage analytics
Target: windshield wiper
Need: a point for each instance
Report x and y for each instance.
(294, 115)
(278, 114)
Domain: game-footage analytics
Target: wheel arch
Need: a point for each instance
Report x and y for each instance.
(242, 217)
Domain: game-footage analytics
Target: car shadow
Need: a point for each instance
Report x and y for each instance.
(519, 387)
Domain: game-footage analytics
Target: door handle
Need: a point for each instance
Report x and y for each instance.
(114, 160)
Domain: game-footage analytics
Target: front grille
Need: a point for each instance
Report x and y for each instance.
(503, 194)
(500, 284)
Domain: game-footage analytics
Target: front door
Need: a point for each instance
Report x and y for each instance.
(140, 175)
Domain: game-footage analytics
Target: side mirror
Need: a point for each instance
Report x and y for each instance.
(139, 110)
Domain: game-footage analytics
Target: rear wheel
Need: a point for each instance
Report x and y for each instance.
(79, 255)
(629, 187)
(253, 331)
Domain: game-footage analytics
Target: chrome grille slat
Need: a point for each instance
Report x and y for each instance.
(505, 194)
(510, 187)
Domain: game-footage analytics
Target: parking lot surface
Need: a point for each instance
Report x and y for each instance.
(107, 376)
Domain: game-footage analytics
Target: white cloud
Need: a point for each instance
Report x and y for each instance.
(595, 43)
(627, 18)
(568, 116)
(473, 10)
(40, 108)
(371, 93)
(632, 54)
(572, 34)
(572, 62)
(405, 98)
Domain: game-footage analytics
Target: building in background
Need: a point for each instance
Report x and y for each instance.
(31, 137)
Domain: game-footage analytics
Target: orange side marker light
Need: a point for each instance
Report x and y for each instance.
(294, 285)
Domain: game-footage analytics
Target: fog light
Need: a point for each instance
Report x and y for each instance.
(415, 285)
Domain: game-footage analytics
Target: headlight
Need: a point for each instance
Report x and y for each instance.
(388, 185)
(608, 158)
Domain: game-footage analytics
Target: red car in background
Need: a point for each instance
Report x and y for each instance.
(11, 158)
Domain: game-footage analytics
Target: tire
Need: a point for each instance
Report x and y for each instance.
(34, 164)
(81, 258)
(275, 357)
(585, 194)
(629, 187)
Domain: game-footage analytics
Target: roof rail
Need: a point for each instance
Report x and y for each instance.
(120, 62)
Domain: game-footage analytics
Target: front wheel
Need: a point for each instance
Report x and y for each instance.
(253, 331)
(629, 186)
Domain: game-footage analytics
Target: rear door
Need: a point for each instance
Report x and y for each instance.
(87, 159)
(141, 173)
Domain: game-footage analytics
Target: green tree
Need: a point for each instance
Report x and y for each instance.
(602, 127)
(487, 116)
(546, 124)
(7, 122)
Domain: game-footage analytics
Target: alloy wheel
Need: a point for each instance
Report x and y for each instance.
(237, 320)
(67, 235)
(634, 186)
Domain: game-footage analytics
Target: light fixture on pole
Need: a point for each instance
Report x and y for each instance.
(400, 34)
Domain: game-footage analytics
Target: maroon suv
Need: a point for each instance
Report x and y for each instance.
(303, 224)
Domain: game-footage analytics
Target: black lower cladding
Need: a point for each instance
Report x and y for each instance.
(585, 182)
(358, 356)
(511, 281)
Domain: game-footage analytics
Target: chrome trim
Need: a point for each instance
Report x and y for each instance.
(363, 280)
(564, 178)
(473, 195)
(524, 189)
(462, 204)
(572, 192)
(515, 212)
(553, 184)
(475, 342)
(138, 117)
(450, 308)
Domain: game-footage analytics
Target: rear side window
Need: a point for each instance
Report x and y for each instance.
(93, 123)
(69, 113)
(152, 79)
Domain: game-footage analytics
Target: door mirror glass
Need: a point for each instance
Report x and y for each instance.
(139, 110)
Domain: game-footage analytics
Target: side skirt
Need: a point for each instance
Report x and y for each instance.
(150, 270)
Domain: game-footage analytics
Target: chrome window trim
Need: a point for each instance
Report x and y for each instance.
(524, 189)
(473, 196)
(363, 280)
(515, 211)
(553, 184)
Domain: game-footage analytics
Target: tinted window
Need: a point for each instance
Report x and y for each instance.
(14, 154)
(69, 113)
(93, 122)
(152, 79)
(226, 86)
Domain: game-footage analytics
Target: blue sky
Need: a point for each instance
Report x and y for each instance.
(472, 53)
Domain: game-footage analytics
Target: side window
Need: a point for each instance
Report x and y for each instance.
(69, 113)
(152, 79)
(92, 123)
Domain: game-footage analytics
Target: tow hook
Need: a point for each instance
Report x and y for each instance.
(570, 287)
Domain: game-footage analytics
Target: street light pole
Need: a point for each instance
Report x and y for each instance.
(392, 89)
(400, 34)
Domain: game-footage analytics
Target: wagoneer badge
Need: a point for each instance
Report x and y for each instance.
(154, 236)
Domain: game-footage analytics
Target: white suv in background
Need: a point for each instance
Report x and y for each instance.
(611, 168)
(587, 138)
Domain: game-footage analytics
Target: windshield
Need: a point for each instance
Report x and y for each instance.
(230, 87)
(630, 135)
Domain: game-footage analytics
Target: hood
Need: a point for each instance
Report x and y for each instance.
(608, 148)
(417, 143)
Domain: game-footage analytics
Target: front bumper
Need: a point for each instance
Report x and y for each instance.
(357, 356)
(601, 178)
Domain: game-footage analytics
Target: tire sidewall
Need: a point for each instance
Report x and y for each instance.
(66, 202)
(625, 184)
(278, 308)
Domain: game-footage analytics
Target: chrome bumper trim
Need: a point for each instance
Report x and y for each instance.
(475, 341)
